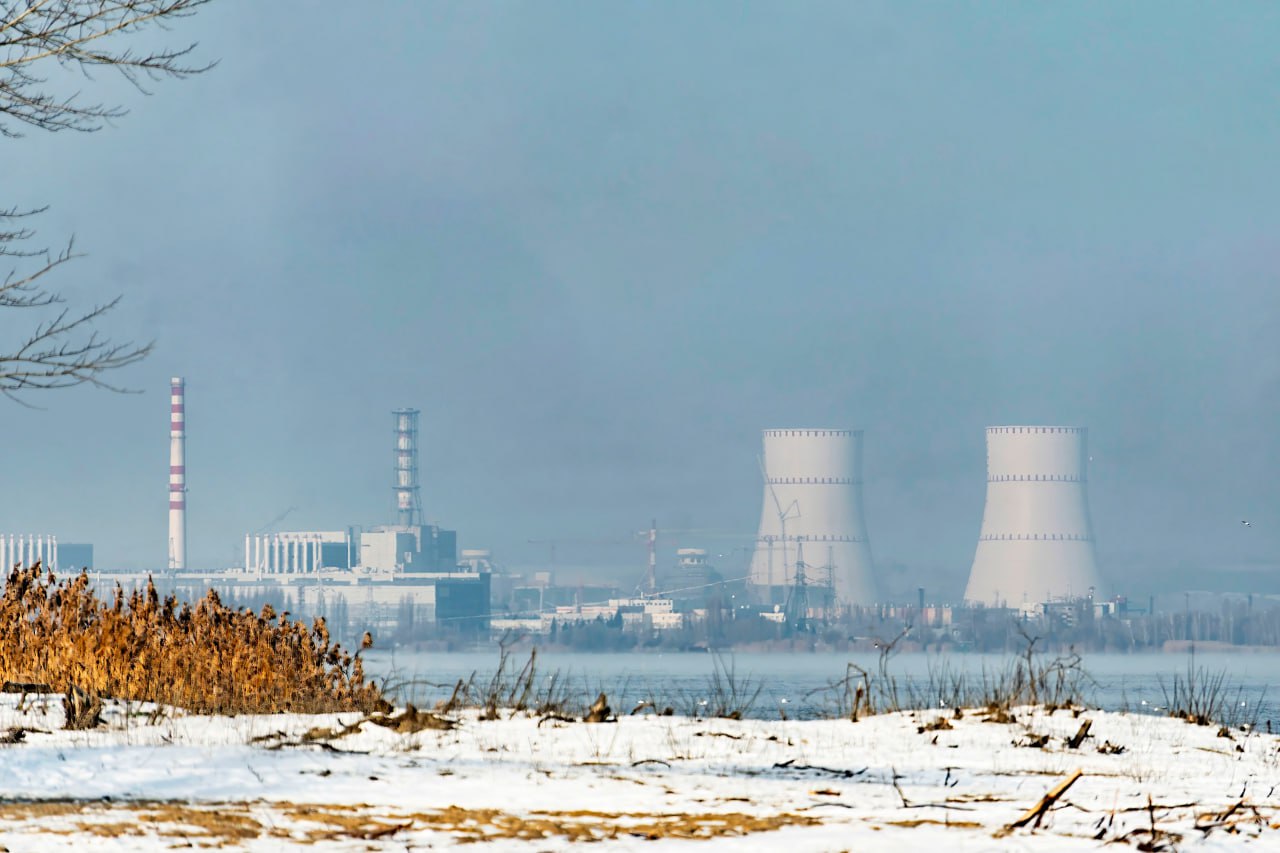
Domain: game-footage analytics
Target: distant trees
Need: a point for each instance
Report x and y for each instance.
(42, 41)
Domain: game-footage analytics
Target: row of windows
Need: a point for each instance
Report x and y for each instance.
(1034, 478)
(1035, 537)
(812, 433)
(1064, 430)
(811, 539)
(792, 481)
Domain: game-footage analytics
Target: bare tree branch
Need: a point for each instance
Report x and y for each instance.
(85, 34)
(66, 349)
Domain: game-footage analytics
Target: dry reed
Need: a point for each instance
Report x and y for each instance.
(207, 658)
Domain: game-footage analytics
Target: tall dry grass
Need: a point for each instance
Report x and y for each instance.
(207, 658)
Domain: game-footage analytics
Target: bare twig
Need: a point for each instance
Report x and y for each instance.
(1037, 812)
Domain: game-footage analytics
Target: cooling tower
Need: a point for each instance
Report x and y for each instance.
(813, 496)
(1037, 539)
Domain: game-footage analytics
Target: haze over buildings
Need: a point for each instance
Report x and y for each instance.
(603, 246)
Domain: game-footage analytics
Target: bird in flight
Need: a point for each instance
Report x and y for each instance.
(1247, 523)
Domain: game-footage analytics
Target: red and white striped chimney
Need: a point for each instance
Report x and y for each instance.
(177, 475)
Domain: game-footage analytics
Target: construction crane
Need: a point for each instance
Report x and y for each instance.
(648, 586)
(263, 529)
(273, 522)
(783, 516)
(553, 544)
(650, 536)
(701, 533)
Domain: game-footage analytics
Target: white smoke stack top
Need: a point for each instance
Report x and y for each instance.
(177, 475)
(1037, 536)
(813, 489)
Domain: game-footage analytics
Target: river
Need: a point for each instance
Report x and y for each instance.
(799, 685)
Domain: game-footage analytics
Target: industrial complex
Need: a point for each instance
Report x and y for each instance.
(402, 578)
(810, 563)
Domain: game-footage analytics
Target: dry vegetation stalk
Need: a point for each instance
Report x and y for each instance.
(207, 658)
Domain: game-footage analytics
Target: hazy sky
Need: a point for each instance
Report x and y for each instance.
(602, 245)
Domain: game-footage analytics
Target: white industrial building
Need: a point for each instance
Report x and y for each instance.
(297, 552)
(27, 549)
(657, 614)
(1037, 541)
(813, 500)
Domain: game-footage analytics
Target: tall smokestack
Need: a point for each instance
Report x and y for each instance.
(177, 475)
(408, 493)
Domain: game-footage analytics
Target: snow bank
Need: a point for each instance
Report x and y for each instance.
(148, 780)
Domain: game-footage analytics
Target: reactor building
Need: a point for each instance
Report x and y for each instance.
(1037, 539)
(409, 546)
(812, 528)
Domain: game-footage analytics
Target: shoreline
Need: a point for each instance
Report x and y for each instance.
(1169, 647)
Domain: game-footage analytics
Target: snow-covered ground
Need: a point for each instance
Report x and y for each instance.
(892, 782)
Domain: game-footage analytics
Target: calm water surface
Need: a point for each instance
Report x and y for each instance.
(801, 684)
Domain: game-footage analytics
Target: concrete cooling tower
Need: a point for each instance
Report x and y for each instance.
(813, 498)
(1037, 538)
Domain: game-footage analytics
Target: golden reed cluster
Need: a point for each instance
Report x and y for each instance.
(208, 658)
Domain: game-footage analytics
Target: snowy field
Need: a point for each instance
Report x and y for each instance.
(156, 781)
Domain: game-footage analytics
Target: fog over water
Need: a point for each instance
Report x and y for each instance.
(801, 685)
(603, 245)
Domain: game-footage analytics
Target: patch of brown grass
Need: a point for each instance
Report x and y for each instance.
(928, 821)
(483, 825)
(222, 824)
(208, 658)
(219, 823)
(40, 809)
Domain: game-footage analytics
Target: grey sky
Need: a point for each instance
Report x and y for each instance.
(603, 245)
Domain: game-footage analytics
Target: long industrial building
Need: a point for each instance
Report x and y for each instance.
(298, 552)
(812, 507)
(1037, 540)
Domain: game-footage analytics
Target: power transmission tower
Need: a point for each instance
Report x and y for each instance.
(797, 607)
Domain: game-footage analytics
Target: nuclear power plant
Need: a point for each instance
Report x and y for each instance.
(1037, 540)
(177, 475)
(809, 567)
(402, 574)
(812, 531)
